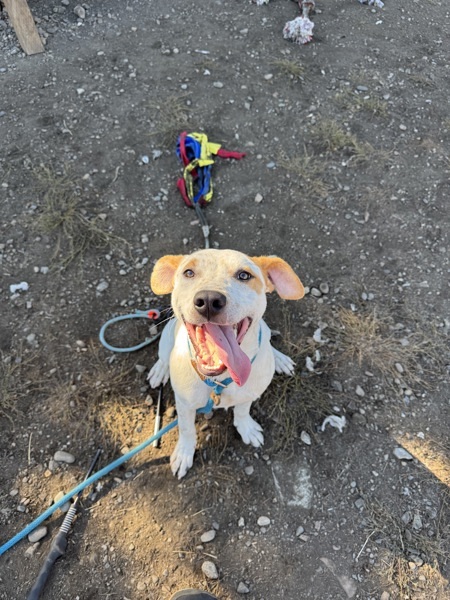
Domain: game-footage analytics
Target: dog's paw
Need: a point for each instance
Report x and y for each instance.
(283, 364)
(182, 459)
(159, 374)
(250, 431)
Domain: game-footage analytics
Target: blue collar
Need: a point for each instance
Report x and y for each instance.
(219, 386)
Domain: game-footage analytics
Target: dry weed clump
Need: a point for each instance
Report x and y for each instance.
(173, 116)
(370, 340)
(290, 68)
(310, 170)
(63, 214)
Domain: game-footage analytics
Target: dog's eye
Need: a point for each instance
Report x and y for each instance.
(189, 273)
(244, 276)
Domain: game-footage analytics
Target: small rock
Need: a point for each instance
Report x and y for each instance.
(306, 438)
(156, 154)
(80, 91)
(316, 292)
(406, 517)
(37, 534)
(208, 536)
(145, 159)
(80, 11)
(209, 569)
(242, 588)
(258, 198)
(63, 456)
(402, 454)
(80, 344)
(417, 523)
(324, 288)
(300, 531)
(385, 596)
(102, 286)
(249, 470)
(360, 392)
(241, 522)
(399, 368)
(359, 503)
(263, 521)
(32, 549)
(218, 84)
(268, 76)
(31, 339)
(337, 385)
(141, 586)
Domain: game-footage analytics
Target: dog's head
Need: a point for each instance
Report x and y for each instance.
(218, 295)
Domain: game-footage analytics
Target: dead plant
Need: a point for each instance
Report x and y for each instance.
(309, 170)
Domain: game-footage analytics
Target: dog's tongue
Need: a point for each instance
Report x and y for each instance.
(229, 351)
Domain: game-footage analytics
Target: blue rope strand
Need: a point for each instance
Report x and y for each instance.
(137, 315)
(92, 479)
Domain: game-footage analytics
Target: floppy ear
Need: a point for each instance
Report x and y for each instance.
(161, 280)
(279, 276)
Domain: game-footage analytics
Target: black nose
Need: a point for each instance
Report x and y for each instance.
(208, 303)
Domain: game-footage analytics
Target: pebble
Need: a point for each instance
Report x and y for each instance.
(399, 368)
(249, 470)
(102, 286)
(359, 391)
(385, 596)
(80, 11)
(324, 288)
(337, 385)
(300, 530)
(141, 586)
(268, 76)
(32, 549)
(406, 517)
(417, 523)
(258, 198)
(306, 438)
(242, 588)
(218, 84)
(403, 127)
(263, 521)
(359, 503)
(208, 536)
(80, 344)
(63, 456)
(37, 534)
(209, 569)
(316, 292)
(402, 454)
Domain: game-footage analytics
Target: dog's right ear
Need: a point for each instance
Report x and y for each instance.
(162, 278)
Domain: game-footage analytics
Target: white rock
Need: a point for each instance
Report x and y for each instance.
(324, 288)
(300, 531)
(268, 77)
(209, 569)
(242, 588)
(359, 391)
(37, 534)
(258, 198)
(102, 286)
(80, 11)
(208, 536)
(263, 521)
(402, 454)
(306, 438)
(63, 456)
(218, 84)
(19, 287)
(241, 522)
(65, 507)
(249, 470)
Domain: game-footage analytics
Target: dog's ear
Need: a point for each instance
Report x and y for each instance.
(279, 276)
(162, 278)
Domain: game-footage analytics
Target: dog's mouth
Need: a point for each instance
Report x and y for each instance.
(217, 348)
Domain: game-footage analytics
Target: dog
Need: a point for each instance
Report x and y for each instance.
(218, 345)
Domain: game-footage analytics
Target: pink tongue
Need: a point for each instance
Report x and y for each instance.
(229, 351)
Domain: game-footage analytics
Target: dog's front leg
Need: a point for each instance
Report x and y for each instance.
(183, 456)
(249, 430)
(159, 373)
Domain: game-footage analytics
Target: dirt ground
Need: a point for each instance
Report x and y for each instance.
(346, 177)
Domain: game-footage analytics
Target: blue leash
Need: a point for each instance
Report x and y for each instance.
(153, 315)
(93, 478)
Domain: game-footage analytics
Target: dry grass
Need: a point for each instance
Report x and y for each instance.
(331, 137)
(291, 68)
(355, 102)
(99, 400)
(368, 339)
(393, 567)
(172, 118)
(422, 80)
(63, 214)
(309, 170)
(13, 384)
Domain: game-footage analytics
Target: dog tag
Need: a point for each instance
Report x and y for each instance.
(215, 398)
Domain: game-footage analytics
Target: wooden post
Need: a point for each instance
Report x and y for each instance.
(24, 26)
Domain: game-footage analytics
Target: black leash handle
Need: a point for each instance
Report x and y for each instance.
(59, 544)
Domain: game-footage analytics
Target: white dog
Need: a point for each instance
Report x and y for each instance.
(218, 345)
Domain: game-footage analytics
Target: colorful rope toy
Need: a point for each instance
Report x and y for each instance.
(196, 153)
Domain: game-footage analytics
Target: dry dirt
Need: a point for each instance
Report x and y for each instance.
(347, 142)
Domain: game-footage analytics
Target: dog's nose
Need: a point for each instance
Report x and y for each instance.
(208, 303)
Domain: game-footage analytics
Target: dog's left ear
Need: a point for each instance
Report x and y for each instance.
(162, 278)
(280, 276)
